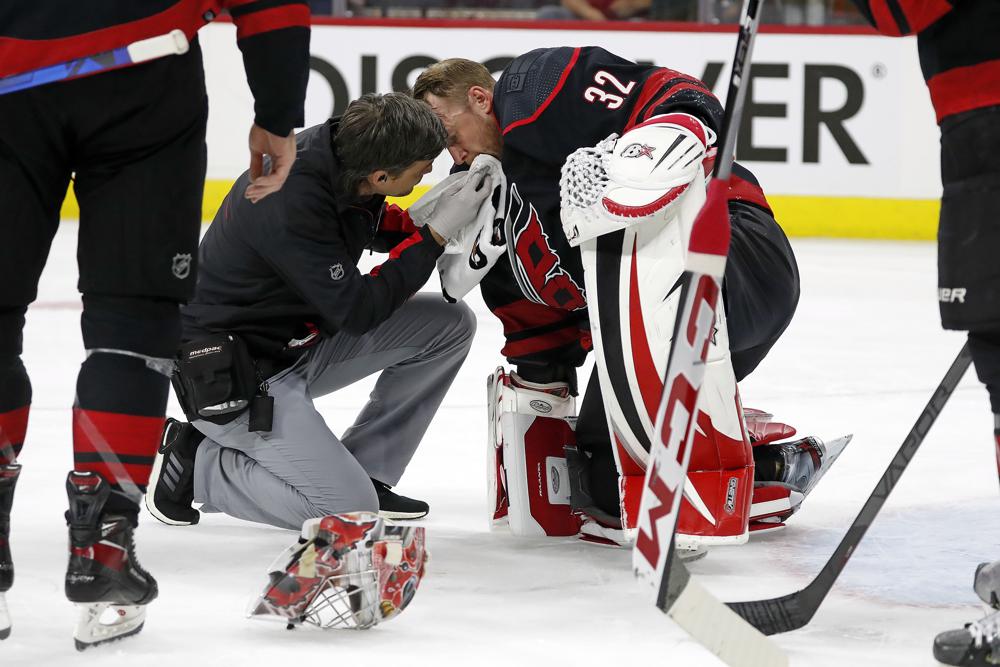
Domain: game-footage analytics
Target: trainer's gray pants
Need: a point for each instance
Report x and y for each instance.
(300, 469)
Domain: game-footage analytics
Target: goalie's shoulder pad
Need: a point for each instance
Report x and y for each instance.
(653, 163)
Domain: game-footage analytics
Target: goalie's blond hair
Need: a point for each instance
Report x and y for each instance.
(451, 79)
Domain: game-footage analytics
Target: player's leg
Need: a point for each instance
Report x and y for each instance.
(298, 470)
(631, 277)
(140, 167)
(969, 299)
(969, 240)
(419, 350)
(34, 174)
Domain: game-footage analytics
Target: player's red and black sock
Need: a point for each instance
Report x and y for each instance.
(121, 394)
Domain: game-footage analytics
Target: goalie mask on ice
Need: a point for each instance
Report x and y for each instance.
(346, 571)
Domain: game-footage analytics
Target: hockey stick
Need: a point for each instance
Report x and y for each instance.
(173, 43)
(654, 559)
(795, 610)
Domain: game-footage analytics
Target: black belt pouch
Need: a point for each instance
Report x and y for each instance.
(215, 379)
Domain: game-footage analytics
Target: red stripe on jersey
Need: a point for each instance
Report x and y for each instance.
(547, 341)
(524, 314)
(255, 23)
(23, 55)
(965, 88)
(919, 15)
(232, 4)
(548, 100)
(650, 87)
(13, 426)
(413, 239)
(670, 93)
(743, 190)
(115, 445)
(395, 219)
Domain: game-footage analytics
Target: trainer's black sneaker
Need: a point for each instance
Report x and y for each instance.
(171, 484)
(975, 645)
(103, 572)
(394, 506)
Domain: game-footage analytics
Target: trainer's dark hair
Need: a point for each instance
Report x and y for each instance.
(388, 132)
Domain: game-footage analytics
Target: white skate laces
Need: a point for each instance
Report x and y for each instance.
(986, 631)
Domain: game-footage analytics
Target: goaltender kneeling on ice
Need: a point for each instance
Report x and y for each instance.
(604, 163)
(281, 315)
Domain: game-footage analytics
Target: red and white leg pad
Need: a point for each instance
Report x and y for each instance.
(528, 482)
(632, 294)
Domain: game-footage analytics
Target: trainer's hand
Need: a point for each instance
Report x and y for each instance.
(281, 150)
(458, 208)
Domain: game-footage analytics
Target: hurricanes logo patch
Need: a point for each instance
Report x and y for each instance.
(638, 150)
(337, 271)
(181, 267)
(537, 266)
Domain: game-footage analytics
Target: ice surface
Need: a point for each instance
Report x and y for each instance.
(862, 355)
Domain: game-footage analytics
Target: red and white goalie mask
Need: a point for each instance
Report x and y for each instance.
(346, 571)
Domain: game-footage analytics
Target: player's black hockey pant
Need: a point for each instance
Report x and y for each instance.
(133, 143)
(969, 237)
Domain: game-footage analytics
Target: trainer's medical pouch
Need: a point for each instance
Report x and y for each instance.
(215, 378)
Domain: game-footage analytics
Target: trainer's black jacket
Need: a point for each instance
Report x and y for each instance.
(272, 34)
(959, 46)
(284, 270)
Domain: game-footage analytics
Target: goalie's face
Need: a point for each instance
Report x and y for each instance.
(472, 128)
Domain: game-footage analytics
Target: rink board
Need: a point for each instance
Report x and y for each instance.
(825, 133)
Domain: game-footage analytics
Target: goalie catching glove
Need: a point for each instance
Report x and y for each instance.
(625, 180)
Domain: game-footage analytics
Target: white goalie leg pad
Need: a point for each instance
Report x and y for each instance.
(625, 181)
(633, 288)
(528, 483)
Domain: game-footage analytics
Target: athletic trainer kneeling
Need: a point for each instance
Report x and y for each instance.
(279, 287)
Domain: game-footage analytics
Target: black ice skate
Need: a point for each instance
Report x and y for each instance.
(394, 506)
(103, 577)
(975, 645)
(171, 484)
(8, 480)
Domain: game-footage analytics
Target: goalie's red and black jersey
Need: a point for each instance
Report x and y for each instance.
(959, 46)
(548, 103)
(273, 36)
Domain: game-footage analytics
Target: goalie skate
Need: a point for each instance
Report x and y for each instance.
(786, 473)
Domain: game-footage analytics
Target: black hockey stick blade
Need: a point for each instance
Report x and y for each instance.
(795, 610)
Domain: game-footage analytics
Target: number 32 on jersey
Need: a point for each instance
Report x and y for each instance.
(600, 93)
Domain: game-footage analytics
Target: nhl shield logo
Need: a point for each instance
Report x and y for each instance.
(181, 266)
(638, 150)
(337, 271)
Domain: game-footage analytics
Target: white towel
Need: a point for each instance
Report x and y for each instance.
(472, 253)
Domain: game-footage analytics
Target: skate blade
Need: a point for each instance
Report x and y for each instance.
(102, 622)
(834, 449)
(4, 618)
